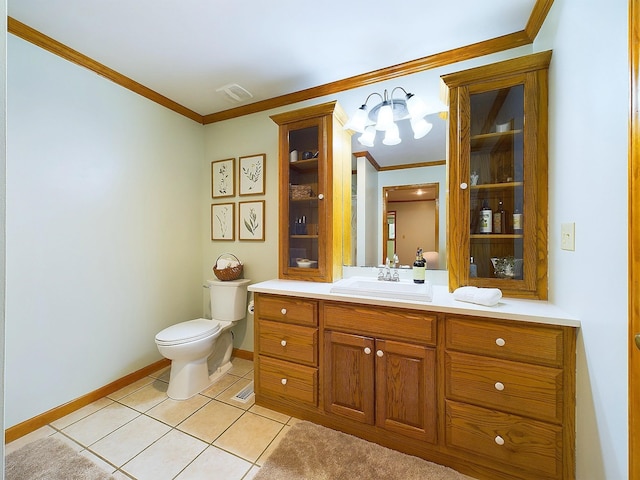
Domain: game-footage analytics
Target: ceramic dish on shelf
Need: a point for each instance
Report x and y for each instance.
(305, 262)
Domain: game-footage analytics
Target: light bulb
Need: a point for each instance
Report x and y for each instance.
(385, 117)
(420, 127)
(358, 121)
(368, 136)
(392, 135)
(416, 107)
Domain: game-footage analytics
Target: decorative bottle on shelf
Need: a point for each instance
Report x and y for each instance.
(473, 269)
(517, 221)
(500, 219)
(419, 267)
(486, 218)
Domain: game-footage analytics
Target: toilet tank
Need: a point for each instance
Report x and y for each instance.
(228, 299)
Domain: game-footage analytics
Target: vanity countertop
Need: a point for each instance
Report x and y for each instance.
(443, 301)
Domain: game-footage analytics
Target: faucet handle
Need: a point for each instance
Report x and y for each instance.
(396, 275)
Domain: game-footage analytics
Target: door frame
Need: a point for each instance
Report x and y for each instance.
(634, 238)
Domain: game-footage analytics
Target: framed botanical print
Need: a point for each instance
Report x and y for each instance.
(251, 174)
(223, 178)
(223, 221)
(251, 220)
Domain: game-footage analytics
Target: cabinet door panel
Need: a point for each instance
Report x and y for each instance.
(348, 376)
(405, 389)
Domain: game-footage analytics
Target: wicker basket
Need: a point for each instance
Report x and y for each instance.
(228, 273)
(299, 192)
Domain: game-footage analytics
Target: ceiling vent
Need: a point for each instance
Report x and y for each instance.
(234, 92)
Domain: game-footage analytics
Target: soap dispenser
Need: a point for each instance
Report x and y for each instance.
(419, 267)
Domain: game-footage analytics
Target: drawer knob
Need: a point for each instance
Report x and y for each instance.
(463, 186)
(499, 440)
(283, 343)
(499, 386)
(500, 342)
(283, 381)
(283, 311)
(380, 353)
(320, 196)
(367, 350)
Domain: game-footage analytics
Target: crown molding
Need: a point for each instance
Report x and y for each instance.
(494, 45)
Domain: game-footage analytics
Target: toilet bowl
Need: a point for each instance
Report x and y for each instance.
(200, 349)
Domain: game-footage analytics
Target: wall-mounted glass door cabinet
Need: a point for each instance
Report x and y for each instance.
(498, 176)
(315, 192)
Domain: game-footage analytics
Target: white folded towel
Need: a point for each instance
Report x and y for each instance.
(482, 296)
(223, 263)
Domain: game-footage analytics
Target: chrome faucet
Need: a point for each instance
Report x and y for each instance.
(384, 274)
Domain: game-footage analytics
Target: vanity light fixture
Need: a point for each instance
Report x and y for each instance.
(384, 116)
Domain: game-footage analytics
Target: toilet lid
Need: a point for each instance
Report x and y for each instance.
(188, 331)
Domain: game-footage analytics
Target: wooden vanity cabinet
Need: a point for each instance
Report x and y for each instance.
(315, 192)
(286, 361)
(381, 375)
(498, 163)
(510, 396)
(491, 398)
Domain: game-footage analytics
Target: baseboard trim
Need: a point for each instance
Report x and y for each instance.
(32, 424)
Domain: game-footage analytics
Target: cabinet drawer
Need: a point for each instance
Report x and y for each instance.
(289, 342)
(536, 344)
(287, 309)
(288, 381)
(391, 323)
(520, 388)
(520, 443)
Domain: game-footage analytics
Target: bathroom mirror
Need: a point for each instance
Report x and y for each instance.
(398, 168)
(411, 221)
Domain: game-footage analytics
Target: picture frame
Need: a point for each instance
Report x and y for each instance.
(251, 220)
(251, 174)
(223, 221)
(223, 178)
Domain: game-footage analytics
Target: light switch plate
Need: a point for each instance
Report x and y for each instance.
(568, 236)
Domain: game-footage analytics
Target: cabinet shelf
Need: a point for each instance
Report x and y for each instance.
(489, 142)
(495, 236)
(304, 165)
(303, 236)
(495, 186)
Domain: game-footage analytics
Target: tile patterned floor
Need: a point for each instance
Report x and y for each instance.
(140, 433)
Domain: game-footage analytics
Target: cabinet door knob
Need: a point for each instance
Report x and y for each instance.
(367, 350)
(283, 343)
(320, 196)
(283, 311)
(499, 386)
(463, 186)
(499, 440)
(283, 381)
(380, 353)
(500, 342)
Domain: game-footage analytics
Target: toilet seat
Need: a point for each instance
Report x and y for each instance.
(189, 331)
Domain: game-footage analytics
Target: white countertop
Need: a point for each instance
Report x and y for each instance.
(508, 308)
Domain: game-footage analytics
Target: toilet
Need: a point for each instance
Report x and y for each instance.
(200, 349)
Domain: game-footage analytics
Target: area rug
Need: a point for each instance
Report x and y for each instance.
(311, 452)
(51, 459)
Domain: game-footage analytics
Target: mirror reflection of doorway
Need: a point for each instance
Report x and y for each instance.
(413, 209)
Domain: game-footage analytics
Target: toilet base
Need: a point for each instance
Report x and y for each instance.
(190, 378)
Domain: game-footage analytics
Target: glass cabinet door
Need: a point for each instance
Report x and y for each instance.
(497, 184)
(498, 176)
(305, 200)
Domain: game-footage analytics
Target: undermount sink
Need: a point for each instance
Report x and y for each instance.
(371, 287)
